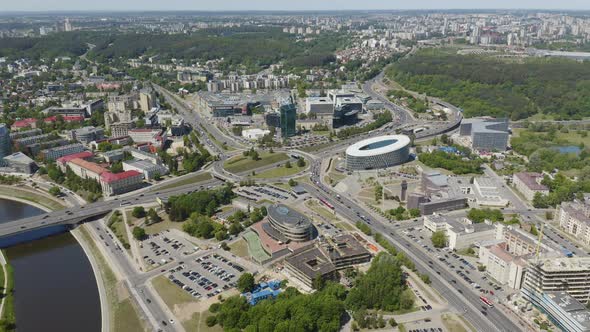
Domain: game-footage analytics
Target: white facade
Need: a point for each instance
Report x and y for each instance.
(255, 133)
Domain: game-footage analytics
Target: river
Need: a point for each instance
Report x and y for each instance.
(55, 287)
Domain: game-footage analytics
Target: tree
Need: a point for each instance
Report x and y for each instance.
(246, 283)
(288, 164)
(224, 246)
(414, 213)
(211, 320)
(301, 162)
(55, 191)
(439, 239)
(407, 299)
(220, 235)
(378, 192)
(392, 322)
(153, 216)
(318, 282)
(138, 233)
(292, 183)
(138, 212)
(425, 278)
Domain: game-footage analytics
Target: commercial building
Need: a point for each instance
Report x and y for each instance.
(121, 129)
(378, 152)
(325, 257)
(60, 151)
(148, 169)
(286, 224)
(545, 275)
(486, 192)
(288, 118)
(120, 183)
(255, 133)
(319, 106)
(461, 233)
(574, 218)
(567, 313)
(86, 135)
(5, 142)
(20, 163)
(273, 119)
(439, 205)
(529, 184)
(486, 134)
(155, 137)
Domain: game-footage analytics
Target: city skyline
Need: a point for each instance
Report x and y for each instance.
(233, 5)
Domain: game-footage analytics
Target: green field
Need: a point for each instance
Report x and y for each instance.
(572, 136)
(241, 164)
(131, 321)
(197, 323)
(281, 171)
(239, 248)
(187, 180)
(171, 294)
(255, 247)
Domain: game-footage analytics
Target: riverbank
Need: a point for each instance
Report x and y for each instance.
(30, 197)
(7, 316)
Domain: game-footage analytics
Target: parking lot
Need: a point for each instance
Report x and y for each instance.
(463, 267)
(206, 276)
(266, 192)
(165, 247)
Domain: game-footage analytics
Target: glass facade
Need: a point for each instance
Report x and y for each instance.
(288, 119)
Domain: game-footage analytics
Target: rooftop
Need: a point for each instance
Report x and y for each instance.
(95, 168)
(572, 306)
(530, 180)
(109, 177)
(283, 214)
(564, 264)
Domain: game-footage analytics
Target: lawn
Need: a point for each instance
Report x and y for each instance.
(187, 180)
(239, 164)
(163, 225)
(239, 248)
(127, 319)
(122, 314)
(281, 171)
(452, 325)
(171, 294)
(314, 206)
(197, 323)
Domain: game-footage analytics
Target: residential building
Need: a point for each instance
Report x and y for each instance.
(60, 151)
(147, 100)
(574, 218)
(501, 265)
(529, 184)
(120, 183)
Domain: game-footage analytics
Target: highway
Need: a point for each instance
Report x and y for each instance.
(458, 295)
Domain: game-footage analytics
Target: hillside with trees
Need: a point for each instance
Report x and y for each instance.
(483, 85)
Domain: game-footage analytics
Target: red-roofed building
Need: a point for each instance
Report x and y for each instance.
(529, 183)
(86, 169)
(24, 123)
(66, 118)
(120, 183)
(62, 162)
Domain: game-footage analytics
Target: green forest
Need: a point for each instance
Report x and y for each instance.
(382, 287)
(489, 86)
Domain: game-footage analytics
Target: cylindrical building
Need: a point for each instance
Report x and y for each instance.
(378, 152)
(289, 223)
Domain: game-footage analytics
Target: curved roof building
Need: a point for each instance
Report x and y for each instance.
(378, 152)
(288, 225)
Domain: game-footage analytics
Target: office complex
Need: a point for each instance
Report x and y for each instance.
(20, 163)
(571, 275)
(486, 134)
(5, 143)
(285, 224)
(120, 183)
(60, 151)
(565, 311)
(378, 152)
(288, 118)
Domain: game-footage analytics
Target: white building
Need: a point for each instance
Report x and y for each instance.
(574, 218)
(486, 192)
(460, 234)
(502, 266)
(255, 133)
(120, 183)
(148, 169)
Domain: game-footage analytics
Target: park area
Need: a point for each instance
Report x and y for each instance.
(239, 164)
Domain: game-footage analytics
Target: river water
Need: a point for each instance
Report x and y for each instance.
(55, 287)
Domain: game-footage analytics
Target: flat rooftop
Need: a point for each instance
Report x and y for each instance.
(288, 217)
(564, 264)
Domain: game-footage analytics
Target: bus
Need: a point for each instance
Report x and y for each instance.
(326, 203)
(486, 301)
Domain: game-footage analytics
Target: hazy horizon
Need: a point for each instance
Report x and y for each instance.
(281, 5)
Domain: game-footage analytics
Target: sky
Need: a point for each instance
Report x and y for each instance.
(222, 5)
